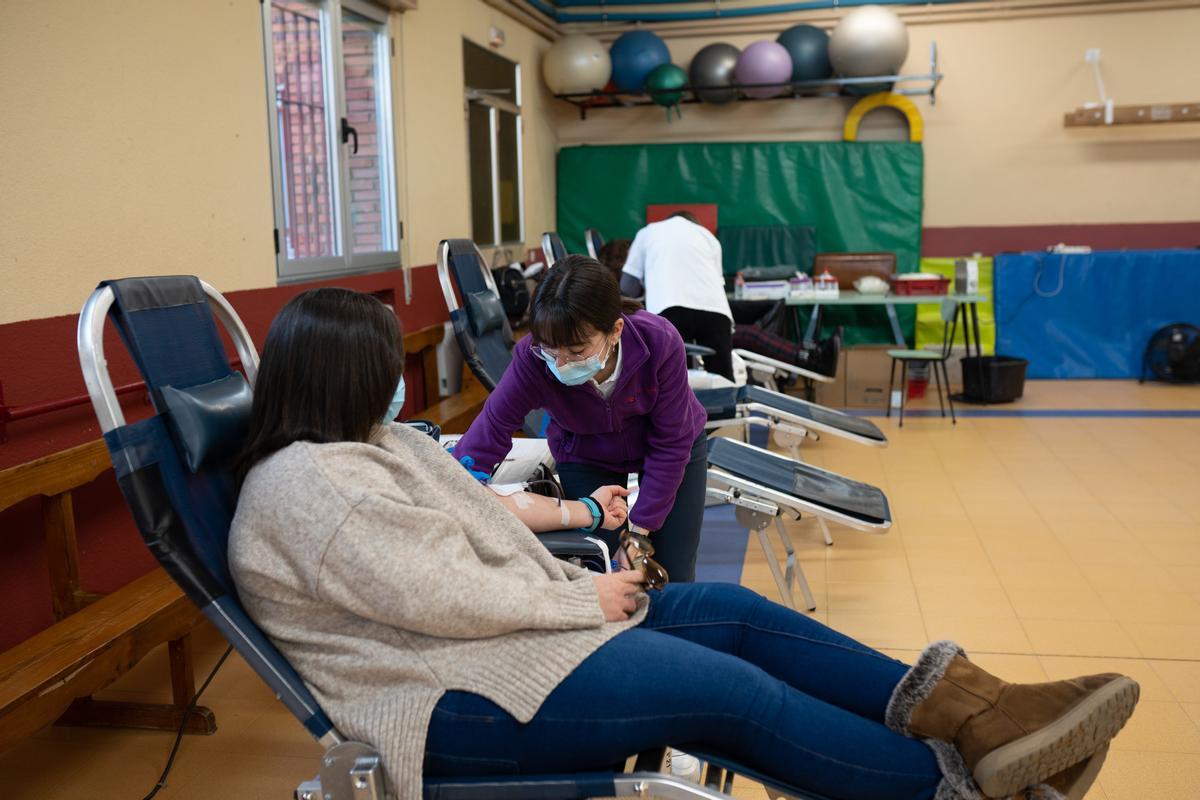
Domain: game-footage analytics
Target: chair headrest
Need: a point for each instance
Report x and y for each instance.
(209, 421)
(486, 311)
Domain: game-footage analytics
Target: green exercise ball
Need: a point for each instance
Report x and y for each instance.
(665, 84)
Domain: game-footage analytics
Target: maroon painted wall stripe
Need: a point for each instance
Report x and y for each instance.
(989, 240)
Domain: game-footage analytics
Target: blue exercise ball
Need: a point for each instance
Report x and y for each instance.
(635, 54)
(808, 46)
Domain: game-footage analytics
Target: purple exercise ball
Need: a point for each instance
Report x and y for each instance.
(764, 62)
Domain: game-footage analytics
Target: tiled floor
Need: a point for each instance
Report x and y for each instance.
(1046, 546)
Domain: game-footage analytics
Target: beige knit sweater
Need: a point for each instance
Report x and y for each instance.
(387, 576)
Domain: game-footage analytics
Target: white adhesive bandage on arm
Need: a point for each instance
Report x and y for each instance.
(566, 514)
(506, 489)
(522, 500)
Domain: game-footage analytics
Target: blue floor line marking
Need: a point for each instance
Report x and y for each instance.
(722, 547)
(1095, 413)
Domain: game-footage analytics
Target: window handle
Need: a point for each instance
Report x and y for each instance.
(347, 132)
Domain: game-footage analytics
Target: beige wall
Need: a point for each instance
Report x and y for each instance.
(434, 121)
(133, 137)
(133, 140)
(996, 150)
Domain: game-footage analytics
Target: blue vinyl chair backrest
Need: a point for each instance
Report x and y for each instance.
(594, 241)
(487, 353)
(552, 242)
(559, 249)
(184, 515)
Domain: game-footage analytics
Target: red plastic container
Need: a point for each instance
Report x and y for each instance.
(920, 287)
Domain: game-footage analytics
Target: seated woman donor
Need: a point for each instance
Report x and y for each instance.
(428, 620)
(613, 379)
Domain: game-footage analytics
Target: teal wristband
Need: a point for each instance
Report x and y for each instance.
(597, 515)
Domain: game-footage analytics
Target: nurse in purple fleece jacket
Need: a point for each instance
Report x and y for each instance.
(613, 379)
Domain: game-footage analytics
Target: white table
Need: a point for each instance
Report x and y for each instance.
(889, 302)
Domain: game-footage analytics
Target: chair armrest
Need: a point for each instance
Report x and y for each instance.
(754, 360)
(582, 549)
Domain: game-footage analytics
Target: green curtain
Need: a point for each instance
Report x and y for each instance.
(858, 196)
(767, 246)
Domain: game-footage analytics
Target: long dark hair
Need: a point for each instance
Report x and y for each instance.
(579, 295)
(329, 368)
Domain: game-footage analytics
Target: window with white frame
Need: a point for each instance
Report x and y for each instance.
(332, 146)
(493, 100)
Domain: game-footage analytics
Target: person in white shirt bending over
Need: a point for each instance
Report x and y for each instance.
(677, 263)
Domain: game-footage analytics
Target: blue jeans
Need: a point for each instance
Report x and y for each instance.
(676, 542)
(714, 669)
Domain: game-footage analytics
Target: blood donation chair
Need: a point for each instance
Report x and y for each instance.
(594, 242)
(789, 418)
(758, 500)
(172, 469)
(765, 488)
(553, 248)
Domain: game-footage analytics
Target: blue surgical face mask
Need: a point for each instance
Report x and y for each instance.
(576, 373)
(397, 403)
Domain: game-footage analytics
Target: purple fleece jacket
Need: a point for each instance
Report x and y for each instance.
(647, 425)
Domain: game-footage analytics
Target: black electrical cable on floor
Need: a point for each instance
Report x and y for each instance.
(162, 779)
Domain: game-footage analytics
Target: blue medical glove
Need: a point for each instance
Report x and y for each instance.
(468, 462)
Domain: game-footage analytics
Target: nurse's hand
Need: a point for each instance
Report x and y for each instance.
(618, 593)
(612, 503)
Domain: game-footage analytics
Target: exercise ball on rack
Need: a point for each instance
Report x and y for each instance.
(635, 54)
(870, 40)
(764, 61)
(808, 46)
(576, 64)
(711, 73)
(665, 84)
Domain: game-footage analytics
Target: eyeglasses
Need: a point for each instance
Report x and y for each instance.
(639, 550)
(554, 354)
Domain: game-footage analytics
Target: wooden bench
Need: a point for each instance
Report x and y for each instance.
(95, 639)
(454, 414)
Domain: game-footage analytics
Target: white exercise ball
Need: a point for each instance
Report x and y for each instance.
(870, 40)
(576, 64)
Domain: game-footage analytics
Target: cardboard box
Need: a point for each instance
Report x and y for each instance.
(833, 394)
(867, 370)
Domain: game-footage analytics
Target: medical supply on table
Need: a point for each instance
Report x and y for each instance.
(765, 290)
(801, 287)
(871, 284)
(826, 286)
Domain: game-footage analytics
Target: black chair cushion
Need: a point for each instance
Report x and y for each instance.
(209, 421)
(487, 313)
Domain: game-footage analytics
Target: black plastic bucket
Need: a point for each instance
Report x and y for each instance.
(993, 379)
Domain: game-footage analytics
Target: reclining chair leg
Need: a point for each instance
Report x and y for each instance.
(349, 771)
(825, 531)
(795, 573)
(785, 587)
(757, 515)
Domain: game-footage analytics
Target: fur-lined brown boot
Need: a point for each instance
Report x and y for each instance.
(1010, 736)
